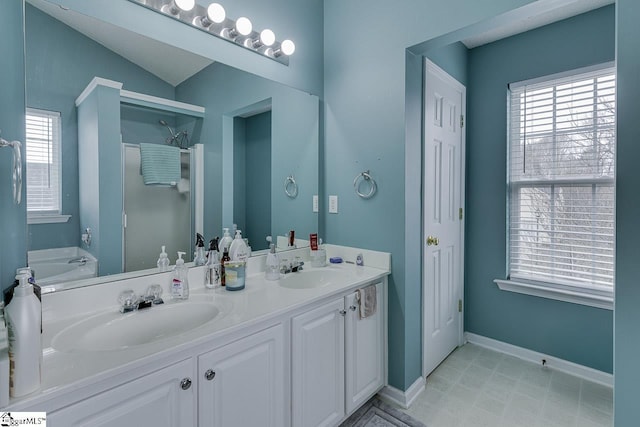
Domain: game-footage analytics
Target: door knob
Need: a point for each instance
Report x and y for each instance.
(432, 241)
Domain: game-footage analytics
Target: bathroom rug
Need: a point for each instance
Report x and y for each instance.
(376, 413)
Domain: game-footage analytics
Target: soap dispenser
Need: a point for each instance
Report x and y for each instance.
(273, 264)
(180, 283)
(225, 242)
(163, 261)
(238, 250)
(199, 258)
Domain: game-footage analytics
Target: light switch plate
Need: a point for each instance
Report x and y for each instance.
(315, 203)
(333, 204)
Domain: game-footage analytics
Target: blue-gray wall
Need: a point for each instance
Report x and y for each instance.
(60, 63)
(364, 81)
(577, 333)
(453, 59)
(100, 189)
(627, 302)
(226, 92)
(13, 222)
(251, 170)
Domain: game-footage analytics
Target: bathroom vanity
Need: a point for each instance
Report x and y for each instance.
(292, 352)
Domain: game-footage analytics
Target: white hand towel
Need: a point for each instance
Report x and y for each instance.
(368, 301)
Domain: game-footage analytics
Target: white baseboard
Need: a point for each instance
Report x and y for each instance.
(403, 398)
(562, 365)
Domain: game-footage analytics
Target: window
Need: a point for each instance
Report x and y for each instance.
(43, 162)
(562, 182)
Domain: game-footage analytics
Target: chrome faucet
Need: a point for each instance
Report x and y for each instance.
(291, 267)
(129, 301)
(82, 260)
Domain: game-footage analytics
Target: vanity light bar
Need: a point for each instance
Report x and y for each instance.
(213, 20)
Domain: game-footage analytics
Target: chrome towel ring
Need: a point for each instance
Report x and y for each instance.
(366, 177)
(290, 187)
(16, 172)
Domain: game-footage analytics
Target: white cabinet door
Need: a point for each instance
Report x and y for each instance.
(318, 366)
(156, 399)
(242, 383)
(364, 351)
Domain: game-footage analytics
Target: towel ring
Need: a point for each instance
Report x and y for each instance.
(366, 177)
(290, 187)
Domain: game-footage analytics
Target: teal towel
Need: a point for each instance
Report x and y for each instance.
(160, 164)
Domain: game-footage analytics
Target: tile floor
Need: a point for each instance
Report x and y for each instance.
(478, 387)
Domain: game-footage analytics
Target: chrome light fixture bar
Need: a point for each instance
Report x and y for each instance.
(213, 20)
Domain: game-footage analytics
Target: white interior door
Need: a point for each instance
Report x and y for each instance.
(443, 187)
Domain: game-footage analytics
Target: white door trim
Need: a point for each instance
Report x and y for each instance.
(432, 67)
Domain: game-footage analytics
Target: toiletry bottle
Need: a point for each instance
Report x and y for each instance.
(225, 242)
(163, 261)
(199, 258)
(238, 250)
(23, 316)
(212, 277)
(225, 258)
(180, 283)
(8, 293)
(273, 264)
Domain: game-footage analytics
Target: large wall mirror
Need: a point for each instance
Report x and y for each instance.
(255, 134)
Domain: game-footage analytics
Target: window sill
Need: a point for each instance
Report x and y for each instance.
(572, 294)
(47, 218)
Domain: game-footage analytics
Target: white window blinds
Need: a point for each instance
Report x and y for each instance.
(561, 179)
(43, 161)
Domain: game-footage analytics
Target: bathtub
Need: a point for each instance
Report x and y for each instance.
(53, 266)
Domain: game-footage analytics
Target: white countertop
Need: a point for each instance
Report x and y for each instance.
(260, 301)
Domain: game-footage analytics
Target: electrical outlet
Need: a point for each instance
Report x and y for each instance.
(315, 203)
(333, 204)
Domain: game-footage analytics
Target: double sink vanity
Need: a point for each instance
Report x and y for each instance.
(291, 352)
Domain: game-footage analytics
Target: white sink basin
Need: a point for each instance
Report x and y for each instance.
(117, 331)
(314, 278)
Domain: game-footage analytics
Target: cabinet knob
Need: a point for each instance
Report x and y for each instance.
(353, 308)
(210, 374)
(185, 384)
(342, 312)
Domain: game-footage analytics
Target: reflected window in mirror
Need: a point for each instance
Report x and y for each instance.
(43, 140)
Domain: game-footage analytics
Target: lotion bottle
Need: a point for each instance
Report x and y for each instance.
(225, 242)
(238, 250)
(180, 283)
(24, 315)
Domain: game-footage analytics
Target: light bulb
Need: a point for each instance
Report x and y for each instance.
(216, 13)
(185, 5)
(267, 37)
(288, 47)
(243, 26)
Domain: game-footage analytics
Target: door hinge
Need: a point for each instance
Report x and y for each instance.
(460, 213)
(461, 121)
(459, 306)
